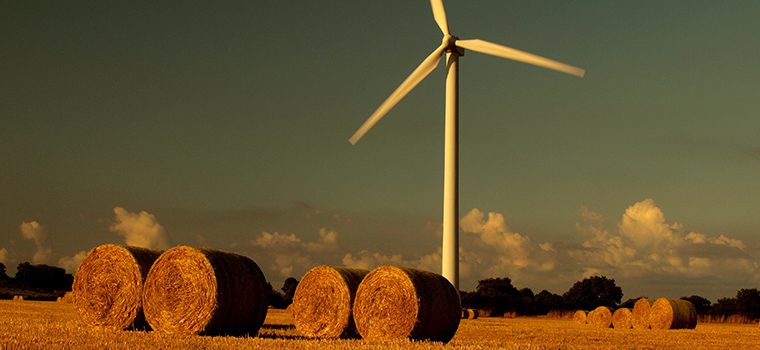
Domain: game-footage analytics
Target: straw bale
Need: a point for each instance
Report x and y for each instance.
(600, 317)
(640, 313)
(323, 302)
(202, 291)
(580, 317)
(109, 285)
(672, 314)
(396, 303)
(622, 318)
(473, 314)
(470, 314)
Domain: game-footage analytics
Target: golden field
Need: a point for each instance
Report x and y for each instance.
(48, 325)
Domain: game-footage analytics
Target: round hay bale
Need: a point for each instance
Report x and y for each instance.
(580, 317)
(640, 313)
(109, 285)
(622, 318)
(672, 314)
(201, 291)
(323, 302)
(396, 303)
(473, 314)
(601, 317)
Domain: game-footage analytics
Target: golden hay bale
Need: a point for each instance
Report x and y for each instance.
(640, 313)
(68, 298)
(323, 302)
(470, 314)
(622, 318)
(672, 314)
(109, 284)
(201, 291)
(473, 314)
(601, 317)
(396, 303)
(580, 317)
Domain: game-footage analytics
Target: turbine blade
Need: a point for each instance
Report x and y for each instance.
(423, 70)
(517, 55)
(439, 13)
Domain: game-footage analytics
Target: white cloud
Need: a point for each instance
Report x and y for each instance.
(288, 255)
(35, 232)
(644, 225)
(366, 260)
(71, 263)
(140, 229)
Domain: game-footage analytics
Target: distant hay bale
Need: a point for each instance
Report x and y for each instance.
(672, 314)
(601, 317)
(470, 314)
(67, 298)
(640, 313)
(580, 317)
(201, 291)
(396, 303)
(109, 285)
(323, 302)
(18, 298)
(473, 314)
(622, 318)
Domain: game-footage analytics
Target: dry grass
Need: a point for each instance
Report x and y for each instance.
(201, 291)
(323, 302)
(35, 325)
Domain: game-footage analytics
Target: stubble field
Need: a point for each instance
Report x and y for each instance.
(46, 325)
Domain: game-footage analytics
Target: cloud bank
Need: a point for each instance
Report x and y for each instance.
(35, 232)
(140, 229)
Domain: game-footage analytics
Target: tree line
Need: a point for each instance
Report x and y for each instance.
(500, 296)
(41, 277)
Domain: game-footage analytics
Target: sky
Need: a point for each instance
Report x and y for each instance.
(225, 125)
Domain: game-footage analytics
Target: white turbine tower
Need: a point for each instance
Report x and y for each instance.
(453, 47)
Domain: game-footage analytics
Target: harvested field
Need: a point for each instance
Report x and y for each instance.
(37, 324)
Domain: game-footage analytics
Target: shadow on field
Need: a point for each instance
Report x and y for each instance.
(280, 336)
(278, 326)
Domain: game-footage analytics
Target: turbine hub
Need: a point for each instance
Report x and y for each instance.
(450, 42)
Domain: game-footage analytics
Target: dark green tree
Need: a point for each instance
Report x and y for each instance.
(748, 303)
(702, 305)
(289, 288)
(593, 292)
(546, 301)
(725, 307)
(498, 294)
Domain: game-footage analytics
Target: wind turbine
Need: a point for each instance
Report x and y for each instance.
(453, 47)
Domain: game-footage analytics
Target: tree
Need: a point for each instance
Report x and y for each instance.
(748, 303)
(725, 307)
(498, 294)
(43, 277)
(3, 275)
(546, 301)
(702, 305)
(289, 288)
(276, 299)
(593, 292)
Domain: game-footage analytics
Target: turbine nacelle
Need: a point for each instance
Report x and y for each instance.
(449, 43)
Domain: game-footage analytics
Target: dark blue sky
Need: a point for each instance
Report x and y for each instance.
(228, 120)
